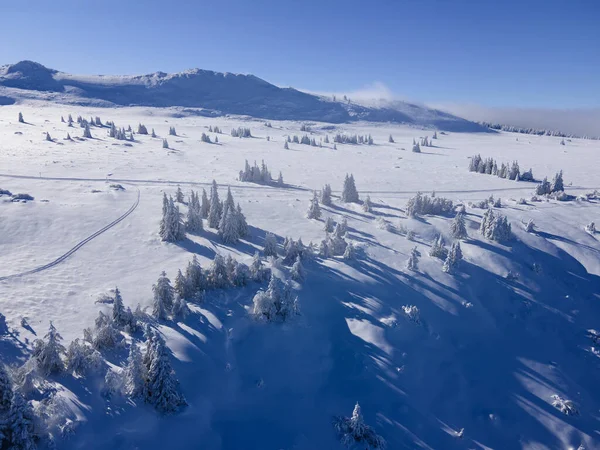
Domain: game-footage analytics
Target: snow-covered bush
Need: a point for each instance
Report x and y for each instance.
(565, 406)
(277, 303)
(353, 431)
(423, 204)
(591, 228)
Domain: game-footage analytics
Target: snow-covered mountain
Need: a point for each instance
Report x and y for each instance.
(214, 92)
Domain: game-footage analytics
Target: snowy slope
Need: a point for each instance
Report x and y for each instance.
(488, 352)
(216, 93)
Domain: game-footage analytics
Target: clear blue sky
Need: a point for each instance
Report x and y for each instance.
(497, 53)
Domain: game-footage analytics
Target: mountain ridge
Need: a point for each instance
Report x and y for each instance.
(219, 92)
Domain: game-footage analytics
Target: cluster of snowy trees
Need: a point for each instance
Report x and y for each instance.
(256, 174)
(17, 418)
(122, 134)
(172, 131)
(423, 204)
(425, 142)
(546, 187)
(349, 192)
(215, 129)
(241, 132)
(305, 128)
(226, 217)
(353, 432)
(495, 227)
(206, 138)
(353, 139)
(536, 131)
(335, 242)
(277, 303)
(142, 129)
(490, 167)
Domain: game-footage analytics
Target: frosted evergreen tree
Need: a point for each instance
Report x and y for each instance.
(591, 228)
(314, 211)
(434, 135)
(328, 226)
(280, 179)
(353, 431)
(214, 213)
(194, 215)
(205, 206)
(486, 221)
(367, 206)
(161, 388)
(164, 295)
(165, 143)
(134, 373)
(21, 120)
(6, 392)
(458, 227)
(334, 147)
(48, 353)
(270, 247)
(121, 316)
(437, 249)
(194, 276)
(557, 182)
(21, 424)
(82, 358)
(181, 285)
(142, 129)
(453, 259)
(68, 138)
(277, 303)
(416, 148)
(180, 308)
(391, 139)
(286, 146)
(342, 228)
(413, 260)
(105, 335)
(179, 198)
(205, 138)
(326, 140)
(297, 273)
(153, 133)
(349, 193)
(70, 120)
(171, 226)
(258, 272)
(48, 137)
(242, 224)
(217, 273)
(86, 132)
(349, 253)
(326, 195)
(172, 131)
(228, 226)
(544, 187)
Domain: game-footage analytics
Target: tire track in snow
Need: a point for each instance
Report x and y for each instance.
(80, 244)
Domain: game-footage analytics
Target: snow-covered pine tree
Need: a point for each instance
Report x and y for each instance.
(486, 221)
(391, 139)
(87, 132)
(367, 205)
(142, 129)
(437, 249)
(326, 195)
(21, 424)
(164, 295)
(21, 120)
(205, 206)
(165, 143)
(277, 303)
(434, 135)
(328, 226)
(413, 260)
(161, 388)
(153, 133)
(228, 226)
(314, 211)
(257, 270)
(544, 187)
(48, 137)
(416, 148)
(286, 146)
(530, 227)
(181, 285)
(242, 223)
(172, 131)
(270, 246)
(47, 354)
(557, 182)
(6, 391)
(217, 273)
(297, 273)
(458, 227)
(134, 373)
(121, 316)
(194, 277)
(342, 228)
(350, 252)
(353, 431)
(215, 211)
(453, 259)
(81, 358)
(179, 198)
(194, 215)
(349, 193)
(180, 308)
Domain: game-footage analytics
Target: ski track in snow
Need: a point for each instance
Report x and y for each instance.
(80, 244)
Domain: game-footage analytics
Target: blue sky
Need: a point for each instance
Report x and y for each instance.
(530, 53)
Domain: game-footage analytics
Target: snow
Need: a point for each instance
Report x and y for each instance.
(492, 368)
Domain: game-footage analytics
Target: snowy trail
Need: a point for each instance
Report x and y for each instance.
(527, 187)
(80, 244)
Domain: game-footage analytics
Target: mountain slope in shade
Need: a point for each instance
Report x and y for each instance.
(219, 93)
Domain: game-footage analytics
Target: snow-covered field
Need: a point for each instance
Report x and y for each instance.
(487, 354)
